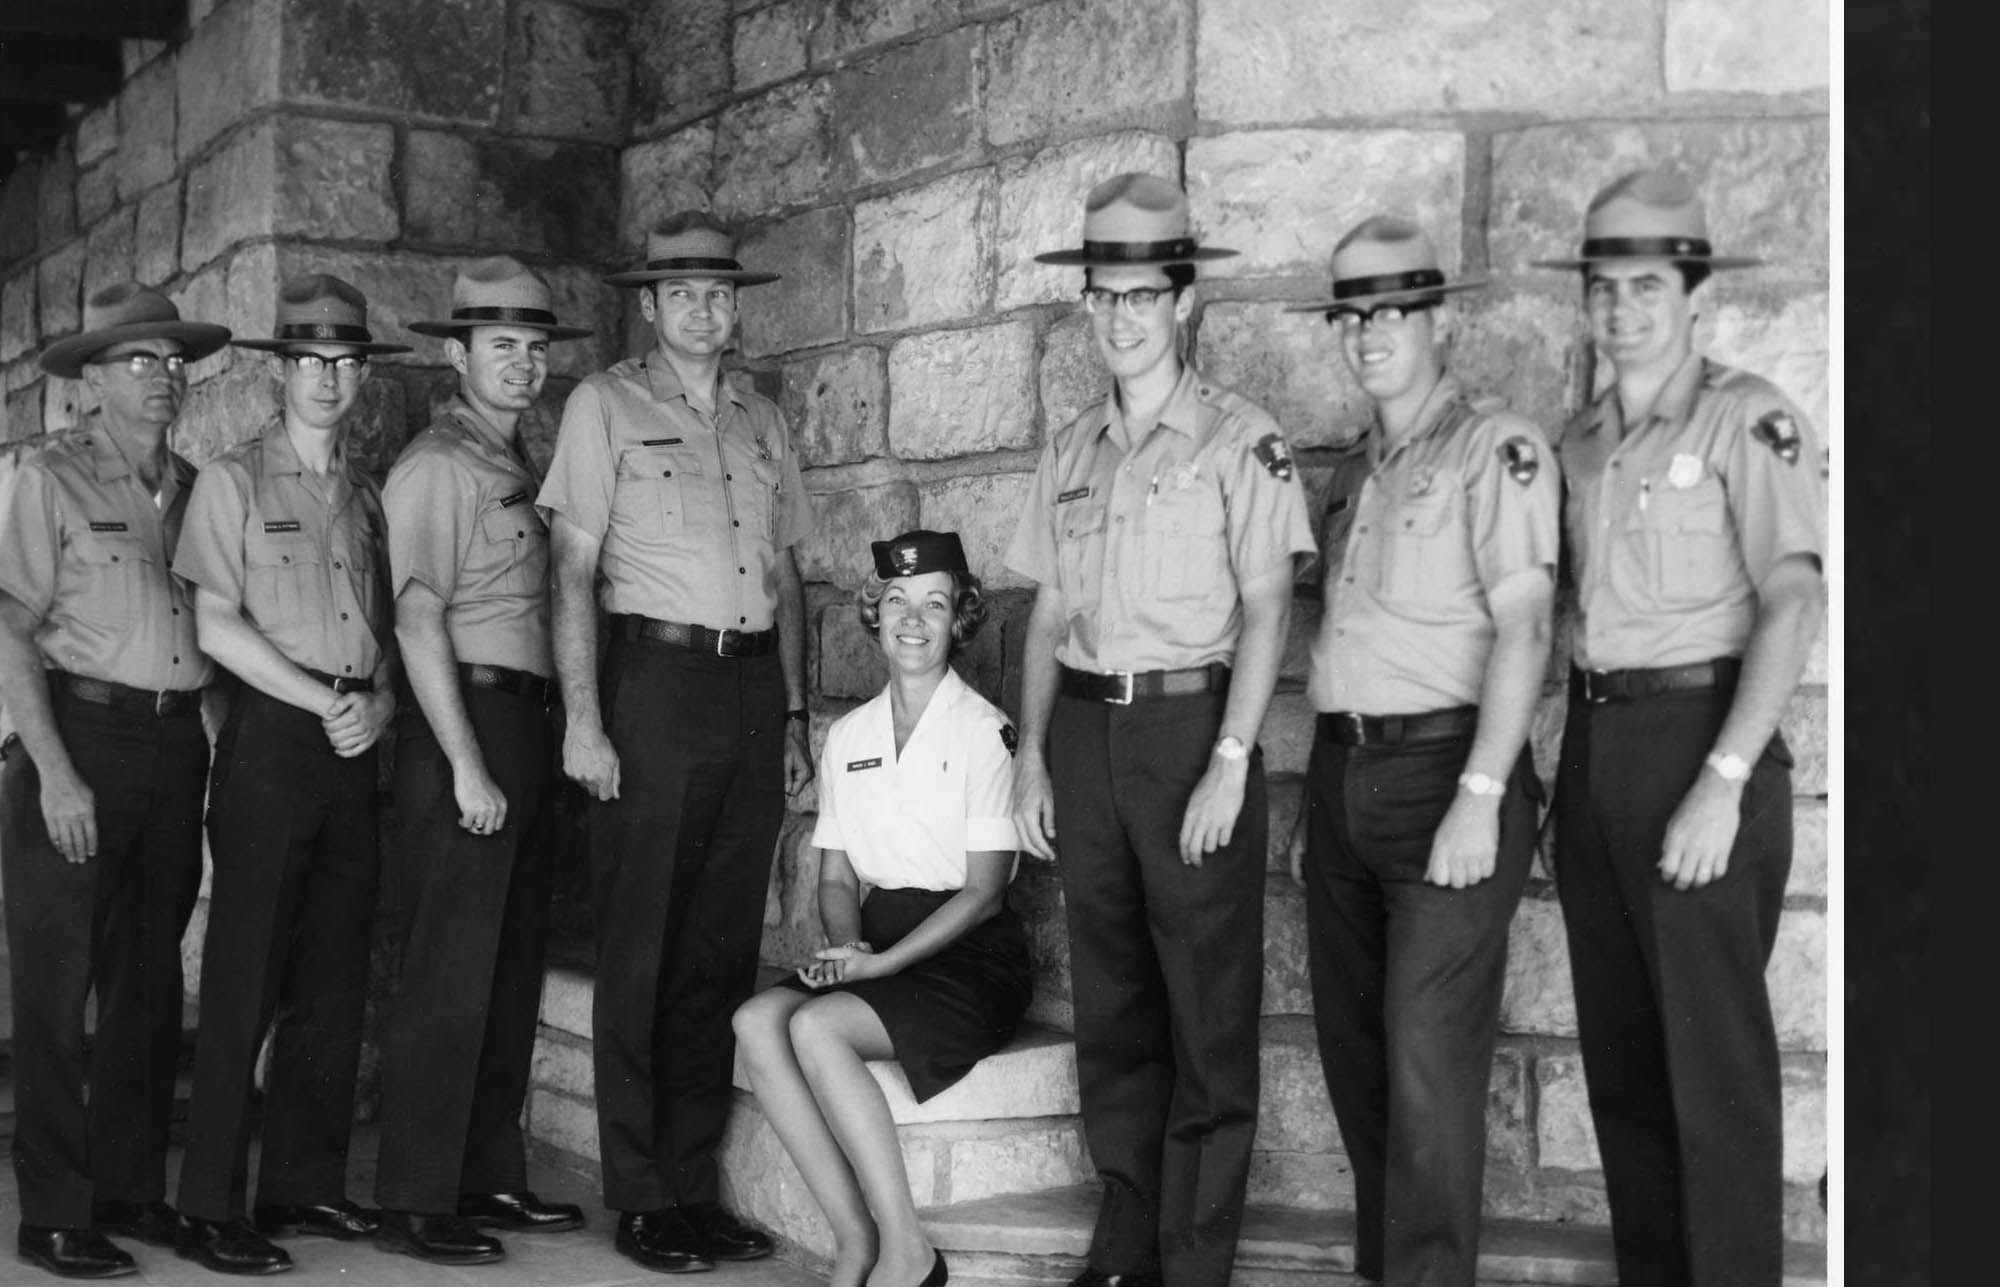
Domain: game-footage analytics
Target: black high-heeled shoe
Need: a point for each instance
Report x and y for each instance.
(940, 1273)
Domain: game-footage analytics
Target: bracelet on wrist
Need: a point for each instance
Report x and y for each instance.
(858, 945)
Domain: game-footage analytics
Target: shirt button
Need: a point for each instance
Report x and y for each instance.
(348, 669)
(734, 523)
(743, 569)
(741, 620)
(343, 616)
(114, 558)
(177, 661)
(284, 558)
(666, 473)
(1348, 579)
(177, 612)
(1363, 529)
(339, 567)
(729, 478)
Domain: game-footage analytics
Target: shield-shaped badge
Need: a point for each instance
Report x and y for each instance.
(1778, 431)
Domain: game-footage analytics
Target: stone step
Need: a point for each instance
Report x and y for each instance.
(1028, 1240)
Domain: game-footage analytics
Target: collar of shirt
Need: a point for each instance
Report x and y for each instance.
(482, 434)
(934, 715)
(281, 458)
(666, 385)
(1671, 406)
(108, 460)
(1182, 412)
(1429, 416)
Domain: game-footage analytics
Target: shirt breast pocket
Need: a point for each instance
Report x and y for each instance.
(1187, 557)
(116, 566)
(516, 546)
(1080, 547)
(1417, 549)
(651, 495)
(758, 503)
(1682, 535)
(282, 578)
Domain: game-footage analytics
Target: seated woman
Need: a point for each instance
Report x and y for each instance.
(932, 970)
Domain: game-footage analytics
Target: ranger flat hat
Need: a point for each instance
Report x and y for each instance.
(129, 311)
(690, 244)
(500, 291)
(917, 552)
(321, 309)
(1135, 219)
(1386, 258)
(1647, 214)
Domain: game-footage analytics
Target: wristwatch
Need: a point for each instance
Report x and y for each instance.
(800, 714)
(1230, 748)
(1480, 784)
(1730, 767)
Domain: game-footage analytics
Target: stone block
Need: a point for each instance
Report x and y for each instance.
(678, 67)
(1763, 184)
(847, 26)
(1564, 1136)
(844, 523)
(226, 409)
(62, 404)
(1805, 731)
(156, 235)
(136, 54)
(1055, 66)
(563, 1065)
(659, 178)
(569, 1124)
(1284, 197)
(1780, 335)
(982, 509)
(572, 68)
(1072, 377)
(760, 1182)
(1284, 800)
(773, 151)
(1041, 209)
(1016, 1161)
(836, 404)
(228, 68)
(55, 208)
(962, 393)
(770, 44)
(1286, 737)
(1530, 349)
(97, 133)
(1809, 850)
(912, 108)
(1293, 1112)
(1509, 1135)
(146, 154)
(1797, 981)
(232, 195)
(435, 59)
(566, 1001)
(18, 315)
(108, 254)
(1716, 47)
(1266, 61)
(1538, 1000)
(20, 211)
(60, 288)
(1308, 1181)
(850, 661)
(488, 194)
(1295, 663)
(922, 256)
(96, 193)
(1287, 973)
(807, 305)
(1805, 1121)
(1287, 363)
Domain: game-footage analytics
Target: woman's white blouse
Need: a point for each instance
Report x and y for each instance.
(907, 822)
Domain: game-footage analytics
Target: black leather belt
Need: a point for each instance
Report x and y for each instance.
(1350, 729)
(1595, 686)
(1123, 687)
(167, 703)
(505, 679)
(716, 643)
(341, 683)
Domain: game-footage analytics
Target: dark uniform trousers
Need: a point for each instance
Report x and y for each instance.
(1679, 1052)
(114, 924)
(1406, 980)
(471, 914)
(1167, 969)
(680, 866)
(291, 830)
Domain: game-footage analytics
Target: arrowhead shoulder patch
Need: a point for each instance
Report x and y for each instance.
(1009, 738)
(1276, 457)
(1521, 460)
(1778, 431)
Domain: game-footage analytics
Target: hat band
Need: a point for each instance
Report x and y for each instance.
(1388, 283)
(1646, 248)
(1138, 251)
(497, 313)
(690, 264)
(335, 332)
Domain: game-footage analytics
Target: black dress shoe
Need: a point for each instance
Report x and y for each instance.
(441, 1239)
(661, 1241)
(521, 1211)
(228, 1247)
(723, 1236)
(342, 1219)
(74, 1253)
(1098, 1278)
(153, 1222)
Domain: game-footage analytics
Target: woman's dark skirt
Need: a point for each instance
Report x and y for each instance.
(947, 1012)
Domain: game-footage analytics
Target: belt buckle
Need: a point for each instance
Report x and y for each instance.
(721, 642)
(1359, 723)
(1124, 696)
(160, 701)
(1593, 695)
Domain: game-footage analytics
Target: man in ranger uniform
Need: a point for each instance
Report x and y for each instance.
(680, 494)
(1160, 530)
(284, 547)
(1419, 822)
(475, 769)
(101, 785)
(1696, 516)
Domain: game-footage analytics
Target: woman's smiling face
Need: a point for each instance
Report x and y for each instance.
(915, 625)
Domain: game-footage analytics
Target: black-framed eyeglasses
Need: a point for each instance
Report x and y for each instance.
(1139, 300)
(144, 365)
(1383, 317)
(346, 366)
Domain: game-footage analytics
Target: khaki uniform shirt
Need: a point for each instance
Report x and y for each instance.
(88, 550)
(303, 558)
(462, 521)
(693, 510)
(1415, 540)
(1148, 541)
(1675, 522)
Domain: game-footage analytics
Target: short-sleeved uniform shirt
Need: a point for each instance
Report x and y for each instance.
(693, 510)
(87, 549)
(462, 522)
(1149, 540)
(1414, 541)
(1675, 522)
(303, 557)
(907, 822)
